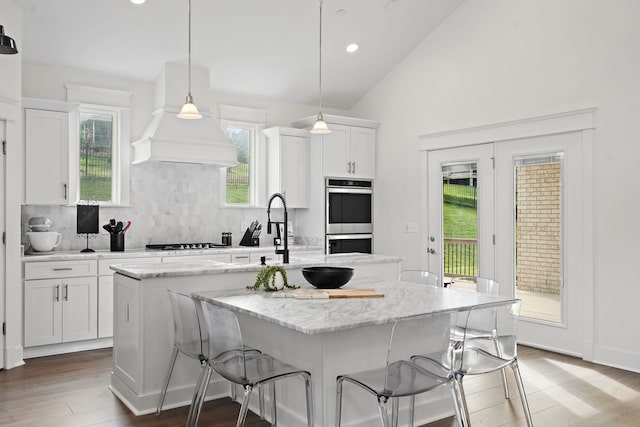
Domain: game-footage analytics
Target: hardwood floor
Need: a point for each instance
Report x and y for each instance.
(71, 390)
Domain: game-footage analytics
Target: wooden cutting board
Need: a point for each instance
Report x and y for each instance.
(332, 293)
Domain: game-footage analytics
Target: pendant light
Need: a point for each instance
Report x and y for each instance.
(7, 44)
(320, 126)
(189, 110)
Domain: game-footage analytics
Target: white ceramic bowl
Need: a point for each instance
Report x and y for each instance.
(44, 241)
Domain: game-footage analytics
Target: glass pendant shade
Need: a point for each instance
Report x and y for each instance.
(7, 44)
(320, 126)
(189, 110)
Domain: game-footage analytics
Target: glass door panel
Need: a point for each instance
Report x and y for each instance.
(538, 236)
(460, 223)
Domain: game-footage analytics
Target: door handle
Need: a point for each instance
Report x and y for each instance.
(349, 167)
(57, 292)
(354, 167)
(66, 292)
(431, 251)
(65, 191)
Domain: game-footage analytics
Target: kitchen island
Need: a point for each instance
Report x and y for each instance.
(143, 325)
(330, 337)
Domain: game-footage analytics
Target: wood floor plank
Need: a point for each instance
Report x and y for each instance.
(72, 390)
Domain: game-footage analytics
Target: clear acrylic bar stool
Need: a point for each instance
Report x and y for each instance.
(401, 377)
(489, 344)
(228, 358)
(188, 337)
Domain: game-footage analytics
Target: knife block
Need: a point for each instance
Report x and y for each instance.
(247, 240)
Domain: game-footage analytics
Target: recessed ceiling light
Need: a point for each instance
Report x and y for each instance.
(341, 12)
(138, 1)
(352, 47)
(390, 4)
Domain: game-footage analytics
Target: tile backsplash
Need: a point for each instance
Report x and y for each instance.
(170, 202)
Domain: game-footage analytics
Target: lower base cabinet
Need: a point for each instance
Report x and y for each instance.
(60, 310)
(105, 306)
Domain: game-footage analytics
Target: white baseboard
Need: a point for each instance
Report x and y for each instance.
(71, 347)
(13, 357)
(617, 358)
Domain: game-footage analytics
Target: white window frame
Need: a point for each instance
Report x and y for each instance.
(105, 101)
(253, 120)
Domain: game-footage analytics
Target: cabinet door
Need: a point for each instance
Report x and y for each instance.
(46, 157)
(126, 344)
(79, 308)
(294, 170)
(42, 312)
(363, 148)
(105, 306)
(335, 152)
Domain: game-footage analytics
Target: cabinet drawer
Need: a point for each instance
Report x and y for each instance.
(56, 269)
(104, 264)
(240, 258)
(210, 257)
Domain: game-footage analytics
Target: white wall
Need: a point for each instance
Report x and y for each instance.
(499, 60)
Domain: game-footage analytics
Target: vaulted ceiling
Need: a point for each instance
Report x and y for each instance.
(266, 48)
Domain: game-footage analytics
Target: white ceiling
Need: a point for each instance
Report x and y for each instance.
(252, 47)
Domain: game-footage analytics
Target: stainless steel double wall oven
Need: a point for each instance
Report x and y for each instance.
(349, 215)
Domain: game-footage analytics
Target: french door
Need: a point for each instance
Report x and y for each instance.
(510, 211)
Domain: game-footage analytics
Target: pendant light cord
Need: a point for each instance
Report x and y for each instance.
(320, 64)
(190, 97)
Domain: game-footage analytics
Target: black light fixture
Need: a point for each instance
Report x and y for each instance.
(320, 126)
(189, 110)
(7, 44)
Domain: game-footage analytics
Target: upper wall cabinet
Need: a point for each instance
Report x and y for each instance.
(288, 165)
(47, 177)
(349, 150)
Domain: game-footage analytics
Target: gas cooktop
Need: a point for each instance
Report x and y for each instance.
(183, 246)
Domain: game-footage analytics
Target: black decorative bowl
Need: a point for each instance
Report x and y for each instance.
(325, 277)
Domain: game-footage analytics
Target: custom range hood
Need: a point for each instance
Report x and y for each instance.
(170, 139)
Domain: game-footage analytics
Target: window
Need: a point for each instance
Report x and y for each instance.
(98, 143)
(240, 179)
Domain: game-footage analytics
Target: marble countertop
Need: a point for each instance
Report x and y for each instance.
(142, 252)
(202, 267)
(317, 316)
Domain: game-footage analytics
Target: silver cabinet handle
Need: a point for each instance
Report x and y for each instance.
(354, 167)
(62, 268)
(65, 191)
(66, 292)
(349, 165)
(242, 257)
(126, 314)
(57, 292)
(431, 251)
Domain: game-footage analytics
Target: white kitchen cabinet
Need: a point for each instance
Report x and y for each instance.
(47, 157)
(60, 310)
(288, 165)
(126, 338)
(349, 151)
(105, 290)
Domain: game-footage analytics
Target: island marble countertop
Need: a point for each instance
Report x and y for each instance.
(201, 267)
(316, 316)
